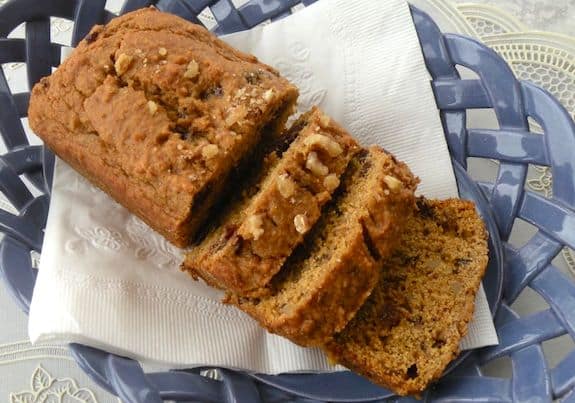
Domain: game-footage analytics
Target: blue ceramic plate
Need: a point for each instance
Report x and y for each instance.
(510, 270)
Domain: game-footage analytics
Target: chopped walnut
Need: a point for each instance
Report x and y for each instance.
(210, 151)
(268, 95)
(123, 63)
(235, 115)
(255, 226)
(392, 182)
(152, 107)
(240, 93)
(192, 70)
(286, 186)
(163, 51)
(331, 146)
(301, 223)
(315, 165)
(331, 182)
(324, 120)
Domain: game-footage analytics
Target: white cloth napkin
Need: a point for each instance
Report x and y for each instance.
(108, 281)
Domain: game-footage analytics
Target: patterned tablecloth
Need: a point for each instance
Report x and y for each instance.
(536, 37)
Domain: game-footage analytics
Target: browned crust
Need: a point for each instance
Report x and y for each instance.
(388, 211)
(380, 353)
(114, 182)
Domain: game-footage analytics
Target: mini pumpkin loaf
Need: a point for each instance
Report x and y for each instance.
(250, 244)
(410, 328)
(327, 279)
(158, 112)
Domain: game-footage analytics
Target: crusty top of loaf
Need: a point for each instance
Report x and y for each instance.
(160, 99)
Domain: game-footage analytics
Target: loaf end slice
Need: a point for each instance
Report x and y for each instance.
(323, 284)
(410, 327)
(252, 242)
(158, 113)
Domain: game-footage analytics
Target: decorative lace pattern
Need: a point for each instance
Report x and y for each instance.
(46, 389)
(97, 237)
(59, 25)
(135, 238)
(300, 72)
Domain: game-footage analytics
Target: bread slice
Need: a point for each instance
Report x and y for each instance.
(409, 329)
(321, 286)
(158, 112)
(250, 244)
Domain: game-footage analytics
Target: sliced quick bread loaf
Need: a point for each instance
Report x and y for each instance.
(410, 328)
(323, 284)
(252, 241)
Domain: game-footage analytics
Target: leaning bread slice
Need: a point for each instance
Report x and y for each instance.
(250, 244)
(323, 284)
(409, 329)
